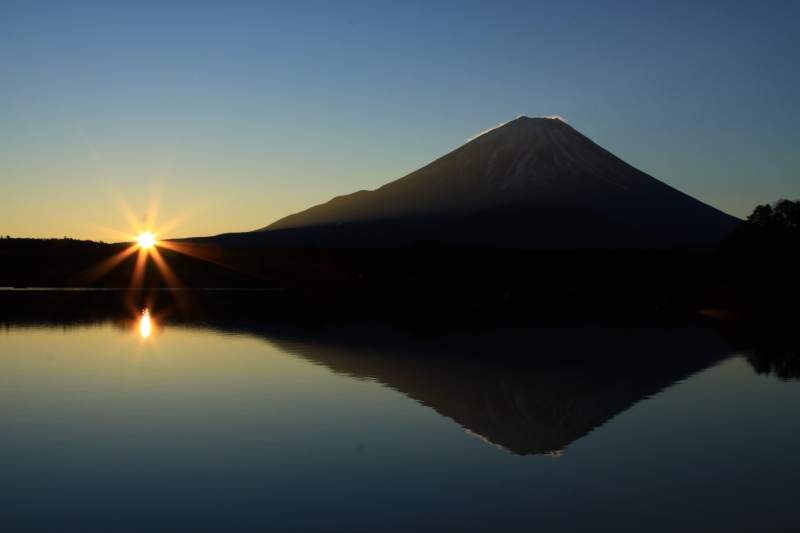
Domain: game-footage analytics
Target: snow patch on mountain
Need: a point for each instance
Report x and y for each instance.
(552, 117)
(486, 131)
(531, 150)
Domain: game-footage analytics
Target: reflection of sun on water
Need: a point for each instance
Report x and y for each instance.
(147, 249)
(144, 325)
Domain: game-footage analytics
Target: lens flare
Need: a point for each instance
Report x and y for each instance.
(146, 240)
(145, 327)
(148, 251)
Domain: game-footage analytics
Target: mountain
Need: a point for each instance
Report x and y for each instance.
(555, 227)
(511, 179)
(528, 390)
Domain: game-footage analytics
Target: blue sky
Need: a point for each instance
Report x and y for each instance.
(239, 113)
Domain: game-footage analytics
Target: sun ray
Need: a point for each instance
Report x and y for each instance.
(130, 217)
(115, 235)
(134, 296)
(208, 253)
(182, 299)
(175, 221)
(107, 266)
(139, 296)
(211, 253)
(166, 271)
(137, 279)
(155, 202)
(199, 251)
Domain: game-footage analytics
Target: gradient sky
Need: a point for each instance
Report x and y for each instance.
(240, 113)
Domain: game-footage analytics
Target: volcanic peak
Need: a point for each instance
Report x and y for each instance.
(525, 151)
(540, 159)
(522, 125)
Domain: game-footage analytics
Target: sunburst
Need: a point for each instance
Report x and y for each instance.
(147, 245)
(146, 239)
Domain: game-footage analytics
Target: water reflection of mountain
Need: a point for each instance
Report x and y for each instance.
(530, 390)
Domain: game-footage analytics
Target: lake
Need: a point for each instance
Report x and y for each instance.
(254, 423)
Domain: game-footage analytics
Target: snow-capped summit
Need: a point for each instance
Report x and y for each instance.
(531, 150)
(540, 160)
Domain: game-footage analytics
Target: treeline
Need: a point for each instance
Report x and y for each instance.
(762, 255)
(11, 243)
(425, 277)
(427, 307)
(753, 269)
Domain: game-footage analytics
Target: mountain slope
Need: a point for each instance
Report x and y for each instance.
(530, 224)
(530, 390)
(524, 224)
(528, 158)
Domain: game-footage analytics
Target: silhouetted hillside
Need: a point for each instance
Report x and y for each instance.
(530, 224)
(529, 390)
(526, 159)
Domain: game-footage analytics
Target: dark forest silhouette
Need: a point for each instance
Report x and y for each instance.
(430, 285)
(771, 233)
(761, 257)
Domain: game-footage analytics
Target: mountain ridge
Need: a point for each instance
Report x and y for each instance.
(542, 160)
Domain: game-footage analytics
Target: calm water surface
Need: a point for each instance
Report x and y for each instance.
(262, 426)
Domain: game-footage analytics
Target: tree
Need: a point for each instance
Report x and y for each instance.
(765, 250)
(782, 215)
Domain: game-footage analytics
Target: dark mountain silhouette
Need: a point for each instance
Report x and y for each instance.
(541, 160)
(531, 390)
(534, 224)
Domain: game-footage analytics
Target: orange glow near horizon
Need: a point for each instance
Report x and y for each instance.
(150, 251)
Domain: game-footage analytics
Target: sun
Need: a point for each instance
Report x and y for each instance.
(146, 240)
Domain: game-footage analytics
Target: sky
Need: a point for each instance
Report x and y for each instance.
(226, 116)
